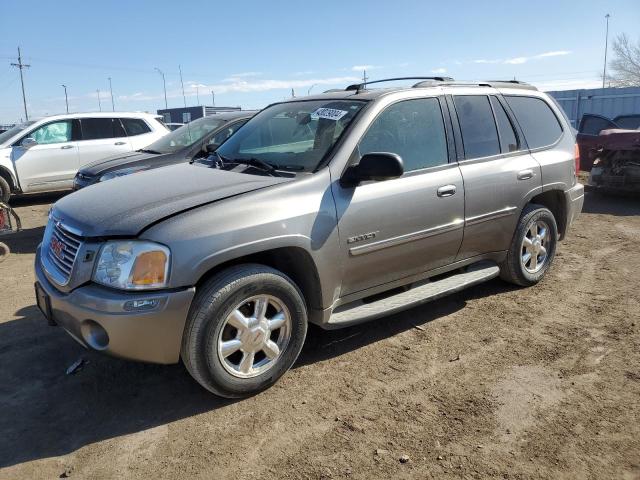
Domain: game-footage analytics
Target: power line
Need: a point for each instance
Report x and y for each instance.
(21, 66)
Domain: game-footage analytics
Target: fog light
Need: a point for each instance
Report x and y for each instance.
(95, 336)
(143, 304)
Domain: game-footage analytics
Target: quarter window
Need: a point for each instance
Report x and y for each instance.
(508, 139)
(99, 128)
(539, 124)
(412, 129)
(479, 134)
(135, 126)
(56, 132)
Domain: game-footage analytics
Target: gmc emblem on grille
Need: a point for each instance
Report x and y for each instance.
(57, 247)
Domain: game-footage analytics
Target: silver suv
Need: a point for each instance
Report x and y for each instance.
(332, 209)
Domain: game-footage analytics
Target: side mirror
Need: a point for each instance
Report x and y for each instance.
(376, 166)
(211, 147)
(28, 142)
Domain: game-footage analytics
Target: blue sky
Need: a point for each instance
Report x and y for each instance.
(252, 53)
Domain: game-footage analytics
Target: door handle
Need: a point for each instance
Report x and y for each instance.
(525, 174)
(447, 190)
(119, 143)
(66, 147)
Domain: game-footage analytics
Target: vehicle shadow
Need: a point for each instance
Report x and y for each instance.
(47, 413)
(607, 204)
(25, 241)
(33, 199)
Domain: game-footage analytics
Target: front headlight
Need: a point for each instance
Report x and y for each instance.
(133, 265)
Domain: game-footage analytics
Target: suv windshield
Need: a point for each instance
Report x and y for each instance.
(292, 136)
(186, 135)
(14, 131)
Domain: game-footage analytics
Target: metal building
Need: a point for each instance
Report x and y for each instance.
(608, 102)
(187, 114)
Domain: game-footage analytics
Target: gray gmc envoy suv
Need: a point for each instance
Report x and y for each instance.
(332, 209)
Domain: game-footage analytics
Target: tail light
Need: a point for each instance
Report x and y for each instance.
(577, 155)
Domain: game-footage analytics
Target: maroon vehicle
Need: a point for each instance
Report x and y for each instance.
(589, 140)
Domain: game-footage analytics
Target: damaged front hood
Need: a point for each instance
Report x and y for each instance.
(126, 205)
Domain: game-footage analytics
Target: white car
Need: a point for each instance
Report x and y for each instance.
(44, 155)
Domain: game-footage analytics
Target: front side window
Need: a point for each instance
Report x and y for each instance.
(412, 129)
(186, 135)
(56, 132)
(100, 128)
(540, 126)
(593, 125)
(479, 134)
(222, 135)
(293, 135)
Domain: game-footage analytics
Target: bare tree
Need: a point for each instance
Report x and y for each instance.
(626, 63)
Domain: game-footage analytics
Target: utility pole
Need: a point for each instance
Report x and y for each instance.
(184, 98)
(293, 93)
(99, 104)
(198, 94)
(22, 66)
(113, 105)
(606, 46)
(364, 76)
(213, 99)
(164, 84)
(66, 99)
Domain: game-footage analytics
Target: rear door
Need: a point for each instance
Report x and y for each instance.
(101, 138)
(396, 228)
(498, 171)
(52, 162)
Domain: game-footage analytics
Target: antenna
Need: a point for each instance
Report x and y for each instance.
(21, 66)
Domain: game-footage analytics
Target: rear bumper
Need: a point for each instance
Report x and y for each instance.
(97, 319)
(574, 198)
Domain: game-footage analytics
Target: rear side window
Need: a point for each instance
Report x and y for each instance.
(99, 128)
(539, 124)
(508, 139)
(632, 122)
(413, 129)
(479, 134)
(135, 126)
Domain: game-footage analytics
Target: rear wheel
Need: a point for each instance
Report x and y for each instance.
(533, 247)
(5, 190)
(245, 329)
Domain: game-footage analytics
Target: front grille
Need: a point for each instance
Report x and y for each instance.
(62, 249)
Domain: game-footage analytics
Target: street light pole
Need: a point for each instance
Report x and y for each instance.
(113, 105)
(164, 84)
(309, 91)
(99, 104)
(184, 98)
(213, 99)
(606, 46)
(66, 99)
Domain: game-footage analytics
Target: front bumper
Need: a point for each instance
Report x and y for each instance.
(96, 318)
(574, 199)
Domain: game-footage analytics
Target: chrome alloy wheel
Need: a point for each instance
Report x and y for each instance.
(534, 247)
(254, 336)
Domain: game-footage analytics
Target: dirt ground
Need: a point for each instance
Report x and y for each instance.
(493, 382)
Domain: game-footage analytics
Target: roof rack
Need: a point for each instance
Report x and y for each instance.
(361, 86)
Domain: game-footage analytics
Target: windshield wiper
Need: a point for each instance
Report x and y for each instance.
(255, 162)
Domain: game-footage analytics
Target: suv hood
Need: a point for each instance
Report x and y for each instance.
(125, 206)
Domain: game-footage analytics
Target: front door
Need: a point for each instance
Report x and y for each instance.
(396, 228)
(50, 163)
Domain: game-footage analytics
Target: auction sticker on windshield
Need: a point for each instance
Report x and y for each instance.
(329, 114)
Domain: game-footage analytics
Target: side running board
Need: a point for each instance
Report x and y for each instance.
(359, 312)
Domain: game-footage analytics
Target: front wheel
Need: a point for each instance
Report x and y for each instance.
(245, 329)
(533, 247)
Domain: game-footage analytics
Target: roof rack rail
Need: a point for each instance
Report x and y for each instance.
(360, 86)
(509, 84)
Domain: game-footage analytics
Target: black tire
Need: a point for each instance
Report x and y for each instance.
(5, 190)
(214, 301)
(512, 269)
